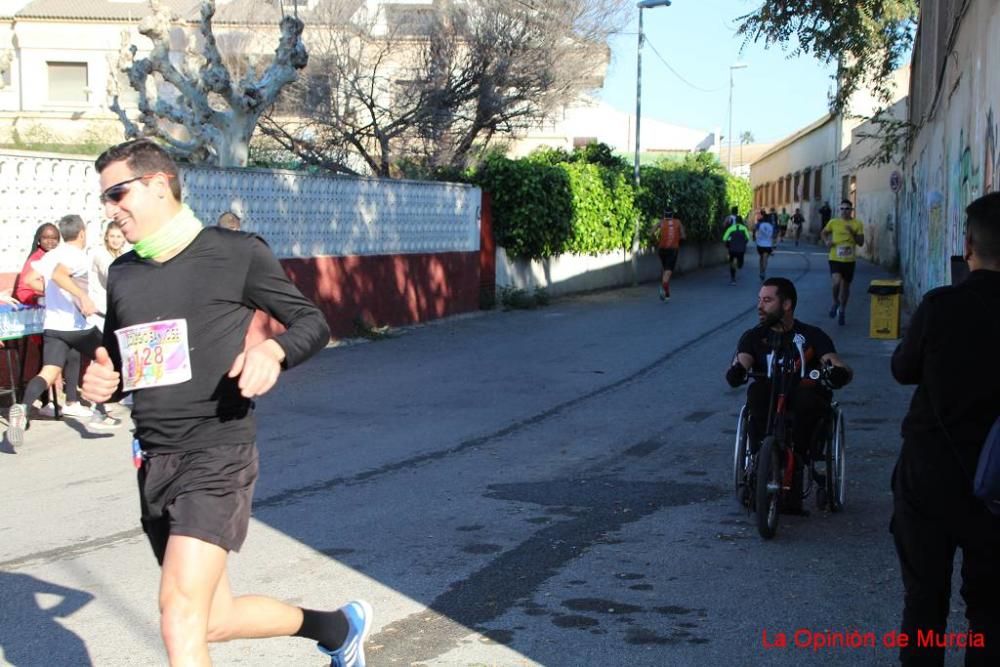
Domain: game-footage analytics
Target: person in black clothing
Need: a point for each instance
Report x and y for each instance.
(809, 401)
(179, 309)
(825, 213)
(797, 221)
(949, 352)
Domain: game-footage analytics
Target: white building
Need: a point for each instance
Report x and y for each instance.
(803, 170)
(592, 120)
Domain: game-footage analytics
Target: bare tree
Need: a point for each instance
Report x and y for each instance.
(434, 87)
(218, 115)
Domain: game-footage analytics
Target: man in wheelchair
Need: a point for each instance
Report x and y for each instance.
(780, 333)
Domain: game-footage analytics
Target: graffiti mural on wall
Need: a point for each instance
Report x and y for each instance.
(913, 235)
(940, 185)
(991, 168)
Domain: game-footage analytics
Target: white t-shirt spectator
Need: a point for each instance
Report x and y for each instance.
(764, 234)
(61, 312)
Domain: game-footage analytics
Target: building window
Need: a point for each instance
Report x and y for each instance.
(806, 176)
(818, 185)
(67, 82)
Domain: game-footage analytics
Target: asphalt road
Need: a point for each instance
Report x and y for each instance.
(513, 488)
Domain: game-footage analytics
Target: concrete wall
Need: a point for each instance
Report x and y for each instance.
(954, 157)
(566, 274)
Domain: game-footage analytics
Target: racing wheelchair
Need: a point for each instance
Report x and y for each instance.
(775, 477)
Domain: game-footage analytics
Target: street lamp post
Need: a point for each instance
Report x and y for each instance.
(731, 68)
(643, 4)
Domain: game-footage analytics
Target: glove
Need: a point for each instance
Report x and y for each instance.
(736, 375)
(839, 376)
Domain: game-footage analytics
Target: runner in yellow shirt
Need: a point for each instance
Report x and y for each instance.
(844, 235)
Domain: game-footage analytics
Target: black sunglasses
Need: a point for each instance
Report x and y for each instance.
(117, 192)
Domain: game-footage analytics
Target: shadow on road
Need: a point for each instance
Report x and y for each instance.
(29, 631)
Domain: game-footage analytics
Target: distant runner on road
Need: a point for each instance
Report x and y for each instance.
(671, 233)
(763, 236)
(736, 237)
(844, 235)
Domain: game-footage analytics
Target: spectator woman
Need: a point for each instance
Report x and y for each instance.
(113, 247)
(28, 285)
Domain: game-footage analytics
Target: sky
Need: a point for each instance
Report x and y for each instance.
(772, 98)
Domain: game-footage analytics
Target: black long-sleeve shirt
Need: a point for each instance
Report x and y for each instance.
(951, 353)
(214, 284)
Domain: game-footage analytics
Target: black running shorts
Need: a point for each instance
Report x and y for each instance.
(203, 493)
(845, 269)
(668, 258)
(57, 344)
(764, 250)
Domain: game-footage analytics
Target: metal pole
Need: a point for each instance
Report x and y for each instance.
(635, 172)
(730, 166)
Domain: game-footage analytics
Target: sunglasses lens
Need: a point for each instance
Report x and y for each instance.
(114, 194)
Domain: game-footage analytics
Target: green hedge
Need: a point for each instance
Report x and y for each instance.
(554, 202)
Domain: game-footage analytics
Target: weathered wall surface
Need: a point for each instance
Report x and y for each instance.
(877, 203)
(954, 158)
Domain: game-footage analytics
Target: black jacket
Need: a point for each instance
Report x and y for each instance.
(952, 353)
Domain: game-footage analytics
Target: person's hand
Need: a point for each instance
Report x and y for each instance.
(258, 368)
(87, 305)
(736, 375)
(101, 379)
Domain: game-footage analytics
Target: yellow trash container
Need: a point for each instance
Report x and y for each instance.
(886, 297)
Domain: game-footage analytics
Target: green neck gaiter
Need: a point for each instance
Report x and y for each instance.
(171, 237)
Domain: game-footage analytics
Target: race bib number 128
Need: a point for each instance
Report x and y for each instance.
(155, 354)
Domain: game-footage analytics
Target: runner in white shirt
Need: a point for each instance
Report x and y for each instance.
(68, 326)
(763, 236)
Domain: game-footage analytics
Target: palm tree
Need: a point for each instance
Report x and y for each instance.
(745, 138)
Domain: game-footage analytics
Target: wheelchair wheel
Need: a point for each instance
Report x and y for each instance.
(836, 463)
(768, 491)
(742, 461)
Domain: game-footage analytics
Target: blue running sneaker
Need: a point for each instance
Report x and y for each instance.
(352, 654)
(833, 310)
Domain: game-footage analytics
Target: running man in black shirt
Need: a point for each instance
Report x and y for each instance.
(179, 308)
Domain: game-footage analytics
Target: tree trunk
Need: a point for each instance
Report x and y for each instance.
(234, 150)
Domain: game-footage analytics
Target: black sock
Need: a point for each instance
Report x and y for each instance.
(329, 628)
(36, 387)
(71, 376)
(732, 273)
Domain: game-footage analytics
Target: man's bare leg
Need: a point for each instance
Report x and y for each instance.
(197, 606)
(835, 281)
(845, 292)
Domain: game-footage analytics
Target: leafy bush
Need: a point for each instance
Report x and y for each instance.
(532, 205)
(552, 202)
(603, 213)
(739, 194)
